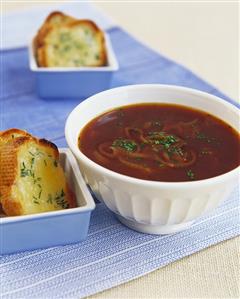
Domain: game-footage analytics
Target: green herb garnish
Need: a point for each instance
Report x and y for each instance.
(24, 171)
(163, 139)
(64, 37)
(35, 200)
(175, 150)
(191, 174)
(66, 48)
(39, 153)
(160, 164)
(127, 145)
(32, 162)
(40, 193)
(60, 199)
(50, 200)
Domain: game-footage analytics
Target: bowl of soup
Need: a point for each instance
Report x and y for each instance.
(158, 156)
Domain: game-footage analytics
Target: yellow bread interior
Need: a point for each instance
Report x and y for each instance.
(56, 18)
(39, 184)
(78, 44)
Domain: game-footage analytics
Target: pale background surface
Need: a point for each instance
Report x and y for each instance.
(203, 36)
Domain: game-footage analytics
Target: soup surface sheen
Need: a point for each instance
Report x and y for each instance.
(161, 142)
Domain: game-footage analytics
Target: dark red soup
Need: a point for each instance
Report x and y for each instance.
(161, 142)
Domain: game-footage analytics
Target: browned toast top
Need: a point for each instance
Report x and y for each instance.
(78, 43)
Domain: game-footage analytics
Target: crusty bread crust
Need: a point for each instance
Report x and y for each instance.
(47, 143)
(8, 173)
(55, 18)
(98, 37)
(10, 134)
(13, 205)
(40, 57)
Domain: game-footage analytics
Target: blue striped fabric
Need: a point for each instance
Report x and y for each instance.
(112, 254)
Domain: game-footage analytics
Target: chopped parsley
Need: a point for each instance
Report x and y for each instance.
(66, 48)
(160, 164)
(176, 150)
(24, 171)
(39, 194)
(35, 200)
(191, 174)
(127, 145)
(64, 37)
(32, 162)
(60, 200)
(50, 199)
(168, 141)
(160, 138)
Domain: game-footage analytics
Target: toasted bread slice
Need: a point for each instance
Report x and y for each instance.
(79, 43)
(9, 135)
(31, 178)
(55, 18)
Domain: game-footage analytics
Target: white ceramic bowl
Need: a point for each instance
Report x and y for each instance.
(150, 206)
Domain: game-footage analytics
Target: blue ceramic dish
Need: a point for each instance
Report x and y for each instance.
(21, 233)
(78, 82)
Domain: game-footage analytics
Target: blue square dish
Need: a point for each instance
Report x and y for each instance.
(76, 82)
(21, 233)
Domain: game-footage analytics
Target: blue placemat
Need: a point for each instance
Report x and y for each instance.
(112, 254)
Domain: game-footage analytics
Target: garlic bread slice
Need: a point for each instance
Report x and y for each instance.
(31, 178)
(80, 43)
(55, 18)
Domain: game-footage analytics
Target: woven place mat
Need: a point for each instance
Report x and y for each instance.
(112, 253)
